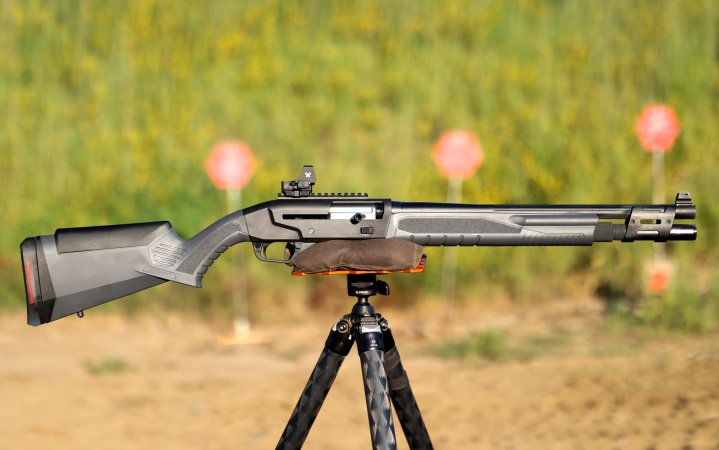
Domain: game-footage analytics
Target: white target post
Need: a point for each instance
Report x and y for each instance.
(458, 155)
(657, 128)
(230, 166)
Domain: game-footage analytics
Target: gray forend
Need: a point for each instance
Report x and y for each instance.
(468, 226)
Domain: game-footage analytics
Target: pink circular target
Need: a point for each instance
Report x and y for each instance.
(230, 165)
(657, 128)
(458, 154)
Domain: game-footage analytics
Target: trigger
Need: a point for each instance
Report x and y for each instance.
(289, 251)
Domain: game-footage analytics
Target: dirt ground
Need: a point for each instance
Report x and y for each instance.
(170, 383)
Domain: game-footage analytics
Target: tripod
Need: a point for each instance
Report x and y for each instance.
(382, 373)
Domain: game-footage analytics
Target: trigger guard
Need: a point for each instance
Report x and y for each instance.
(260, 249)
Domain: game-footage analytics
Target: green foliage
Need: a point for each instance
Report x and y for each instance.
(490, 345)
(498, 346)
(106, 366)
(687, 306)
(682, 310)
(109, 109)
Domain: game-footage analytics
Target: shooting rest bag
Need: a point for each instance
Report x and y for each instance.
(371, 254)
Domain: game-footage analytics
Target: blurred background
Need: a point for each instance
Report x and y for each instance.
(109, 110)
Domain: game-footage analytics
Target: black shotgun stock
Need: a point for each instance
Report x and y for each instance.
(78, 268)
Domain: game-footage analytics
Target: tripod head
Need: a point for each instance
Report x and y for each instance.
(363, 286)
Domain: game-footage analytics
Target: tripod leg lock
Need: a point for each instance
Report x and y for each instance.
(341, 339)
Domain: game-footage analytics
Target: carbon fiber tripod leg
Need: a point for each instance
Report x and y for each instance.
(405, 405)
(379, 411)
(338, 345)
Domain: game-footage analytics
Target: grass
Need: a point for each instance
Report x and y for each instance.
(110, 108)
(106, 366)
(688, 306)
(489, 345)
(500, 346)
